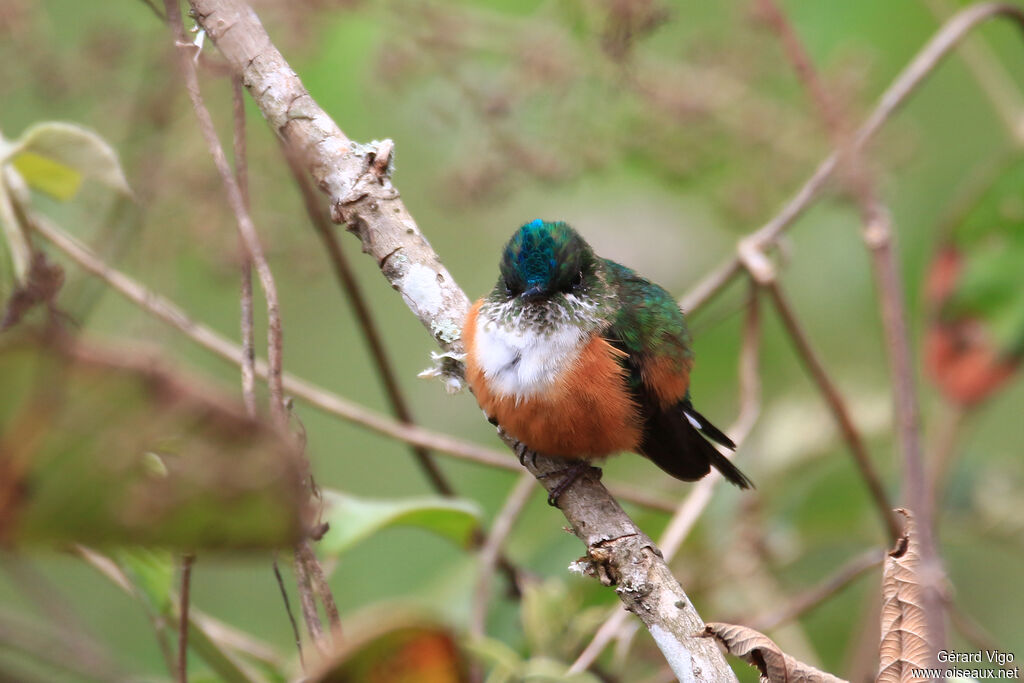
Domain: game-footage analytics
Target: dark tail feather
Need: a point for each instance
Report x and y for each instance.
(728, 470)
(676, 444)
(704, 425)
(717, 460)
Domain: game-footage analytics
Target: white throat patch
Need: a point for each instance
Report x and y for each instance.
(522, 362)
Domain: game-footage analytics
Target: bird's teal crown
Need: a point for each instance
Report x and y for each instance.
(544, 257)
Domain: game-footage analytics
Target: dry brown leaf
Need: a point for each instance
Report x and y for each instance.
(904, 627)
(760, 651)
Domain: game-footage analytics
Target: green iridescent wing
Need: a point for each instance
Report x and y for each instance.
(648, 323)
(649, 327)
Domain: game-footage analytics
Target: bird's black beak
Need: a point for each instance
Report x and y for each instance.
(533, 293)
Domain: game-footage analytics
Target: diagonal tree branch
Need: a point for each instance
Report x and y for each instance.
(371, 333)
(357, 183)
(819, 593)
(912, 76)
(838, 406)
(238, 201)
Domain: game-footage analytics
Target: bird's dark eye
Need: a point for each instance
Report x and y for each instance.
(577, 281)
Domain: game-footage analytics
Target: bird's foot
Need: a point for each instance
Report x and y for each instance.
(569, 476)
(523, 452)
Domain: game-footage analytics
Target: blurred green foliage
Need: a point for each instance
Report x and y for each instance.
(663, 131)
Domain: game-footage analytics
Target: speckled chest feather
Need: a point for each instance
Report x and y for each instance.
(559, 388)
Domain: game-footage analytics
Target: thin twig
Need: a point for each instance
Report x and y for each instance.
(288, 611)
(800, 60)
(689, 511)
(245, 298)
(924, 62)
(51, 648)
(491, 550)
(183, 603)
(308, 603)
(993, 78)
(324, 227)
(76, 641)
(112, 571)
(246, 228)
(816, 595)
(229, 640)
(878, 235)
(710, 285)
(320, 587)
(972, 631)
(944, 446)
(275, 332)
(838, 407)
(246, 305)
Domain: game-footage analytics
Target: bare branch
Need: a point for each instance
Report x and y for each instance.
(246, 305)
(288, 610)
(318, 581)
(237, 200)
(916, 489)
(489, 553)
(308, 603)
(926, 60)
(246, 228)
(816, 595)
(995, 81)
(355, 177)
(837, 405)
(321, 222)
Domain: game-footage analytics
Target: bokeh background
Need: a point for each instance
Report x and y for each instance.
(663, 131)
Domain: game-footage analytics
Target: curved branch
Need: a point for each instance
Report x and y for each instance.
(356, 180)
(929, 57)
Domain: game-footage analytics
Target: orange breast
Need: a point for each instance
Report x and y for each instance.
(587, 413)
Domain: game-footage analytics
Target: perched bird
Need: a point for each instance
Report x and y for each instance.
(579, 357)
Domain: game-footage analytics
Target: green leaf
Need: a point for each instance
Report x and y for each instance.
(990, 240)
(227, 665)
(55, 157)
(502, 661)
(354, 519)
(991, 288)
(152, 572)
(79, 426)
(52, 177)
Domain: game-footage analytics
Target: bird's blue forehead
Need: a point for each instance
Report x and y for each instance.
(538, 252)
